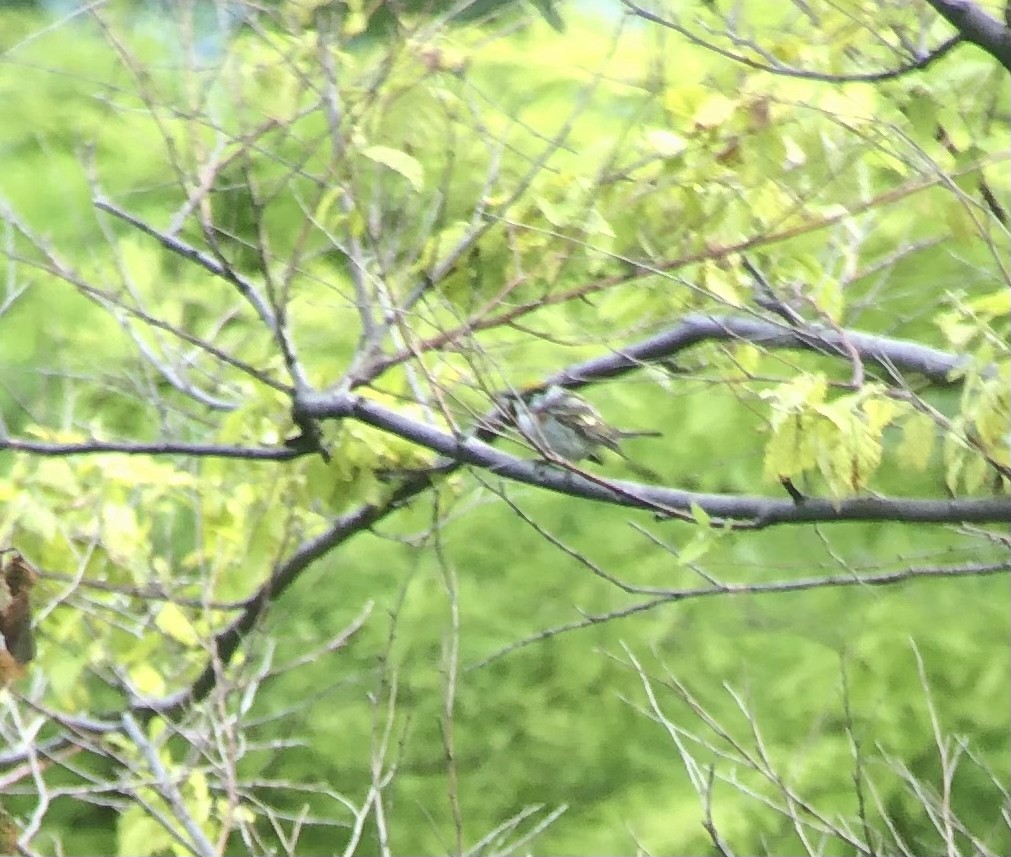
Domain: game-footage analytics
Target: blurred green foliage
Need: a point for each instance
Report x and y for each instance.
(662, 155)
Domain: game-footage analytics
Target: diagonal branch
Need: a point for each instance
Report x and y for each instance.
(976, 26)
(892, 355)
(186, 251)
(921, 61)
(494, 314)
(754, 512)
(226, 643)
(782, 587)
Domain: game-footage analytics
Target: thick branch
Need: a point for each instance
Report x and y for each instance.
(895, 356)
(496, 312)
(976, 26)
(892, 355)
(759, 511)
(227, 642)
(756, 511)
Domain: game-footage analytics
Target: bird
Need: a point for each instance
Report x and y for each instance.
(565, 424)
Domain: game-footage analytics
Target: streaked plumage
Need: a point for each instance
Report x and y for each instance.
(569, 426)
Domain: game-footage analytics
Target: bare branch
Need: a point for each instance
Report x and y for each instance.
(920, 62)
(192, 450)
(757, 512)
(187, 251)
(887, 353)
(104, 298)
(227, 642)
(163, 782)
(843, 580)
(492, 315)
(977, 27)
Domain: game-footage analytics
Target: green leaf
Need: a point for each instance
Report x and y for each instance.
(136, 470)
(64, 675)
(974, 473)
(792, 449)
(695, 549)
(700, 515)
(122, 536)
(953, 453)
(880, 413)
(400, 162)
(918, 438)
(714, 111)
(827, 295)
(174, 623)
(747, 358)
(721, 284)
(199, 797)
(848, 451)
(56, 473)
(798, 394)
(140, 834)
(992, 417)
(147, 680)
(992, 305)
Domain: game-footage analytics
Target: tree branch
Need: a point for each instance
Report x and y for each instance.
(227, 642)
(976, 26)
(176, 245)
(754, 512)
(887, 578)
(194, 450)
(920, 62)
(892, 355)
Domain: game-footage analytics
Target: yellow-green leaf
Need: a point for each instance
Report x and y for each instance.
(994, 304)
(143, 470)
(747, 357)
(121, 534)
(714, 111)
(400, 162)
(695, 549)
(796, 395)
(954, 459)
(880, 413)
(199, 797)
(974, 473)
(147, 680)
(141, 834)
(918, 437)
(700, 515)
(173, 622)
(792, 448)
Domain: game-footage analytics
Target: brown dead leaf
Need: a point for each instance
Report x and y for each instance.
(17, 578)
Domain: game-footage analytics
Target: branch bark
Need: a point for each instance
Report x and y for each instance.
(892, 355)
(976, 26)
(754, 511)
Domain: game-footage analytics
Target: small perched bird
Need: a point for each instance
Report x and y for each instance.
(567, 425)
